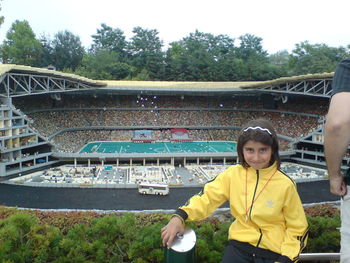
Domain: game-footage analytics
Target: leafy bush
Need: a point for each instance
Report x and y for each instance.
(106, 240)
(324, 235)
(322, 210)
(23, 239)
(211, 240)
(147, 245)
(36, 236)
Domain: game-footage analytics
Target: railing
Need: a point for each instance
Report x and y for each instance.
(319, 256)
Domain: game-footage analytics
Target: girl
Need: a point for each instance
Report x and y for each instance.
(270, 223)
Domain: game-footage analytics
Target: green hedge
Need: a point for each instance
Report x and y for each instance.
(27, 237)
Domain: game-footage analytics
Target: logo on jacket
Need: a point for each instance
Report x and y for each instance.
(270, 203)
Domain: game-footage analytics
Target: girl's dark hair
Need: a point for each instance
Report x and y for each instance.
(264, 134)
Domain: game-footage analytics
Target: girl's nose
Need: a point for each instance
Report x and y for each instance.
(255, 156)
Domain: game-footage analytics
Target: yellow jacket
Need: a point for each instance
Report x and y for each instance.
(275, 220)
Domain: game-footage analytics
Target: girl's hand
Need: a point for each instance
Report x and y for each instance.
(169, 232)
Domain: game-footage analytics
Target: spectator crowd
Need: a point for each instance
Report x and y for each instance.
(113, 118)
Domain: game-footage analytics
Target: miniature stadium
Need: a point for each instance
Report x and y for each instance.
(62, 134)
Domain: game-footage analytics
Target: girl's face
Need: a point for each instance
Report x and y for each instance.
(257, 155)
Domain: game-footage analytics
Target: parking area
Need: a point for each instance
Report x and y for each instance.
(130, 176)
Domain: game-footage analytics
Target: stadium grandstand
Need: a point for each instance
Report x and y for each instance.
(48, 118)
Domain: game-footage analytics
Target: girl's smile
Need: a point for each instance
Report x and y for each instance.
(257, 155)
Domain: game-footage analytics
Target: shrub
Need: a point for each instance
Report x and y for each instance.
(23, 239)
(106, 240)
(25, 236)
(324, 235)
(322, 210)
(147, 245)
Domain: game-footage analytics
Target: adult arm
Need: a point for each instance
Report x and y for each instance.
(337, 139)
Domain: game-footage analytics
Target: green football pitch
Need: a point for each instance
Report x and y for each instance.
(160, 147)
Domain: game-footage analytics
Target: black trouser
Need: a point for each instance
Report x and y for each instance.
(233, 254)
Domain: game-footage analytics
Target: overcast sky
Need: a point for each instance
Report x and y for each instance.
(280, 23)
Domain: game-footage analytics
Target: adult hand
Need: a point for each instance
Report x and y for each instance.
(337, 185)
(169, 232)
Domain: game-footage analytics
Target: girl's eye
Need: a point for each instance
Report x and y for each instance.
(249, 149)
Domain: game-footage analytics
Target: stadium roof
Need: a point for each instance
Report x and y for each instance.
(311, 84)
(200, 85)
(319, 85)
(18, 80)
(176, 87)
(274, 82)
(7, 68)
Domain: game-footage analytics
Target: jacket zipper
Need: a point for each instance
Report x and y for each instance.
(256, 188)
(251, 207)
(257, 245)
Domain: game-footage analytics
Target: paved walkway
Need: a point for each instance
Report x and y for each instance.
(125, 199)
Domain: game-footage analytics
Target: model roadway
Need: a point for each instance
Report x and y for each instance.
(126, 199)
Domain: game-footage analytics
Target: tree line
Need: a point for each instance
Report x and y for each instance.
(199, 56)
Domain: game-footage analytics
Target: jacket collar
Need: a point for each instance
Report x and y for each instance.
(266, 171)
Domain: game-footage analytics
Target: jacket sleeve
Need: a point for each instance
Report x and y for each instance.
(296, 225)
(214, 194)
